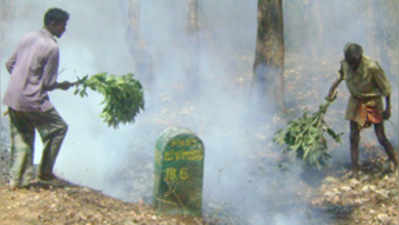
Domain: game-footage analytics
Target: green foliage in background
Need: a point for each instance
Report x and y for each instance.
(123, 96)
(305, 137)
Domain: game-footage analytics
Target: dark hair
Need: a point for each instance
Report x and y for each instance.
(352, 50)
(55, 15)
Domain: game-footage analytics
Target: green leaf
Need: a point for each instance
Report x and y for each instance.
(305, 136)
(123, 96)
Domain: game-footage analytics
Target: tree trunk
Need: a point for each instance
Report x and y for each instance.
(192, 30)
(137, 46)
(312, 16)
(372, 49)
(6, 14)
(268, 68)
(193, 20)
(6, 10)
(134, 19)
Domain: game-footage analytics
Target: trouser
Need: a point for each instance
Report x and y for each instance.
(52, 129)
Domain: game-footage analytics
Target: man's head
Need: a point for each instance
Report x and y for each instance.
(55, 21)
(353, 54)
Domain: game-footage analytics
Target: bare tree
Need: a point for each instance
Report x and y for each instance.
(312, 15)
(193, 18)
(134, 19)
(6, 14)
(138, 48)
(371, 47)
(192, 30)
(268, 68)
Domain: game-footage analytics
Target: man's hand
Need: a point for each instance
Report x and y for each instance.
(65, 85)
(332, 95)
(386, 114)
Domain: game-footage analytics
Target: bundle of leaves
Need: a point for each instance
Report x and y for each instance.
(305, 137)
(123, 96)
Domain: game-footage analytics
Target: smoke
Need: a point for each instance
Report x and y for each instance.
(241, 174)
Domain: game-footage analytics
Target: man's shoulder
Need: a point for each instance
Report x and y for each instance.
(45, 41)
(29, 36)
(52, 45)
(46, 35)
(344, 65)
(40, 35)
(371, 64)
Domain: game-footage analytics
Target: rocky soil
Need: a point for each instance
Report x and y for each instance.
(4, 150)
(372, 197)
(70, 204)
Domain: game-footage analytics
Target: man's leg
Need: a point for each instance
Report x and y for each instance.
(354, 142)
(52, 129)
(22, 140)
(383, 140)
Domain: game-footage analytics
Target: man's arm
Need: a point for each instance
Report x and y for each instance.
(332, 93)
(50, 73)
(65, 85)
(381, 80)
(50, 69)
(387, 113)
(385, 88)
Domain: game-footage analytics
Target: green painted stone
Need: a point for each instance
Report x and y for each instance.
(179, 166)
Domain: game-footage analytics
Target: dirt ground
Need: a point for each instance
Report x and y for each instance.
(69, 204)
(74, 205)
(372, 198)
(369, 198)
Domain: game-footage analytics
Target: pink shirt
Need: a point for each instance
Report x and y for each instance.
(33, 68)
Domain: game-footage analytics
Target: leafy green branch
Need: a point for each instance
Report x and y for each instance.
(123, 96)
(305, 137)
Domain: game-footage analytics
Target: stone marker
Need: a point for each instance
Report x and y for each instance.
(179, 163)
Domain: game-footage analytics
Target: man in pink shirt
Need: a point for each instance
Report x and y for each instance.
(33, 68)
